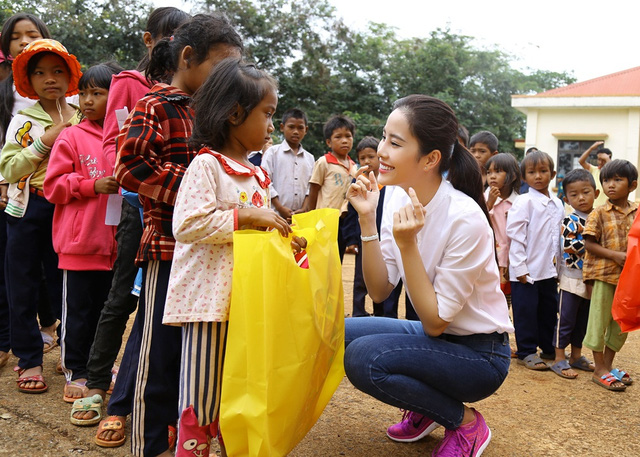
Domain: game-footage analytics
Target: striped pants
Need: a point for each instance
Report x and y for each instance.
(203, 346)
(155, 400)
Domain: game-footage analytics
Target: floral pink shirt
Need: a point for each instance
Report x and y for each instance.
(205, 217)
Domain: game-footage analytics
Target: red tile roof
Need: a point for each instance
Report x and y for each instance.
(622, 83)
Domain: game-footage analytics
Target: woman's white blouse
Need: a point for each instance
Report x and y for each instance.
(457, 247)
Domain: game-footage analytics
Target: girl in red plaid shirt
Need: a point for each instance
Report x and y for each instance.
(153, 154)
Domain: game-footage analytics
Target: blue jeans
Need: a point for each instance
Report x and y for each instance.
(397, 363)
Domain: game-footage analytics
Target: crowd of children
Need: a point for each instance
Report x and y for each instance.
(187, 136)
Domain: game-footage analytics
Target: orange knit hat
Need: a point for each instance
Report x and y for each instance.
(20, 63)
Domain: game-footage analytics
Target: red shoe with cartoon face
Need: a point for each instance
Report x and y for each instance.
(193, 439)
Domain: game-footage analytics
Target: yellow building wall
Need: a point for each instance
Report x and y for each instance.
(619, 128)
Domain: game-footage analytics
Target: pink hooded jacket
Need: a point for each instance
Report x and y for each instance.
(126, 89)
(80, 237)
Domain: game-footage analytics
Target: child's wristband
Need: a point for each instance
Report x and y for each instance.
(369, 238)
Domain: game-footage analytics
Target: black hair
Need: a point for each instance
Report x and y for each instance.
(161, 23)
(485, 137)
(507, 163)
(530, 150)
(368, 142)
(202, 32)
(8, 26)
(606, 151)
(99, 75)
(337, 122)
(233, 84)
(619, 167)
(534, 158)
(434, 124)
(294, 113)
(463, 134)
(36, 58)
(6, 87)
(578, 175)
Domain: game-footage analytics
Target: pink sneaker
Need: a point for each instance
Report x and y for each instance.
(468, 440)
(412, 427)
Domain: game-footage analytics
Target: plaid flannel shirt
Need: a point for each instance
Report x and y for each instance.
(609, 225)
(153, 154)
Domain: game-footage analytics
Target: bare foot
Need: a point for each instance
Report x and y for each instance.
(75, 389)
(35, 371)
(598, 375)
(568, 372)
(87, 415)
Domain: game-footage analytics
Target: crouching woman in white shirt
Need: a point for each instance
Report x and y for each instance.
(436, 238)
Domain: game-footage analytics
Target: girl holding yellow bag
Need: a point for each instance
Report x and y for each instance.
(221, 192)
(436, 237)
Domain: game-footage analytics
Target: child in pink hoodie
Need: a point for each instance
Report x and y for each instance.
(78, 182)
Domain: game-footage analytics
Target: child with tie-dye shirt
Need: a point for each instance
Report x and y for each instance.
(573, 305)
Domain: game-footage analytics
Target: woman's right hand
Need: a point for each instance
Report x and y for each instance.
(363, 194)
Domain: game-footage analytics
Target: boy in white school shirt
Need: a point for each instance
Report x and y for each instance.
(290, 166)
(533, 225)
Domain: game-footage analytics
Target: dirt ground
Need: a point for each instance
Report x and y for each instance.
(533, 414)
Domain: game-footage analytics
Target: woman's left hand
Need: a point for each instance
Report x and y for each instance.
(408, 221)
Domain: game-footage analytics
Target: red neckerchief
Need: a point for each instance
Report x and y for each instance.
(233, 167)
(330, 158)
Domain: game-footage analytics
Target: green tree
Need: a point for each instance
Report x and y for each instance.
(324, 68)
(478, 84)
(93, 30)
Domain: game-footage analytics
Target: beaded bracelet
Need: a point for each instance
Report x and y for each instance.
(369, 238)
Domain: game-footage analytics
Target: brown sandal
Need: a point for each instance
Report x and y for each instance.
(113, 423)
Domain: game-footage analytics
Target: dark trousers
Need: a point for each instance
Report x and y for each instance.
(535, 308)
(342, 243)
(83, 296)
(388, 308)
(30, 253)
(155, 401)
(115, 314)
(5, 339)
(47, 314)
(573, 315)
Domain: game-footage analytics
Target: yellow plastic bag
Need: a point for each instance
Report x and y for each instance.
(285, 342)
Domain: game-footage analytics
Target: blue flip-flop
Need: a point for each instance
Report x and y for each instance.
(582, 364)
(558, 367)
(620, 376)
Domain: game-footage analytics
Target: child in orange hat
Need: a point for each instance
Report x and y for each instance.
(46, 72)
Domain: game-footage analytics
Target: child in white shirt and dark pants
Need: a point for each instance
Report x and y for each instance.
(533, 225)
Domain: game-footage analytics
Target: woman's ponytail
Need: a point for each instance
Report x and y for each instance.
(465, 175)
